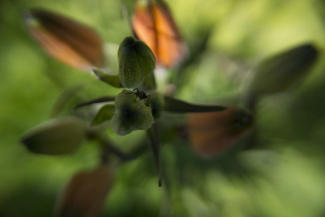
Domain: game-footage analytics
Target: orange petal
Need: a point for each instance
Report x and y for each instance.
(214, 133)
(85, 194)
(66, 40)
(154, 24)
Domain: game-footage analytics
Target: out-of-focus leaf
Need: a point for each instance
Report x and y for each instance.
(105, 113)
(214, 133)
(136, 61)
(66, 40)
(85, 194)
(279, 72)
(154, 24)
(59, 136)
(64, 98)
(107, 78)
(178, 106)
(98, 100)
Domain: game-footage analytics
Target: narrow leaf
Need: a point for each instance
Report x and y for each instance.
(107, 78)
(105, 113)
(98, 100)
(178, 106)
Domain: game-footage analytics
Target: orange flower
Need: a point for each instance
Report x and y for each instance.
(66, 40)
(154, 24)
(213, 133)
(86, 193)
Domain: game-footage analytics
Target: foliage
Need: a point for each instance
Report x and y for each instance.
(261, 149)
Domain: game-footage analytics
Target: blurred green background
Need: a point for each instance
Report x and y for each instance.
(282, 176)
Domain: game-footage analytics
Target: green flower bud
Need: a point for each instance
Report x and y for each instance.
(131, 113)
(136, 61)
(277, 73)
(55, 137)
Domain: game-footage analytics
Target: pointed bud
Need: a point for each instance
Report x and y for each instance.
(85, 194)
(131, 113)
(66, 40)
(279, 72)
(56, 137)
(136, 61)
(213, 133)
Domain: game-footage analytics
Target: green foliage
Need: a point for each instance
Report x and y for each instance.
(276, 172)
(107, 78)
(105, 113)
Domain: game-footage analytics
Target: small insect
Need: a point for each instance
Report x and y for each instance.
(141, 95)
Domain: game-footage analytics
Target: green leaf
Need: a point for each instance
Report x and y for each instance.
(279, 72)
(107, 78)
(58, 136)
(105, 113)
(98, 100)
(178, 106)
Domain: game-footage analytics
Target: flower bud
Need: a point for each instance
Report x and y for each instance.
(131, 113)
(136, 61)
(279, 72)
(55, 137)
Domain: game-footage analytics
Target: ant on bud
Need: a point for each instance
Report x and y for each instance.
(141, 95)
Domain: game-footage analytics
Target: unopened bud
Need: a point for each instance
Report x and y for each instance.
(279, 72)
(136, 61)
(55, 137)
